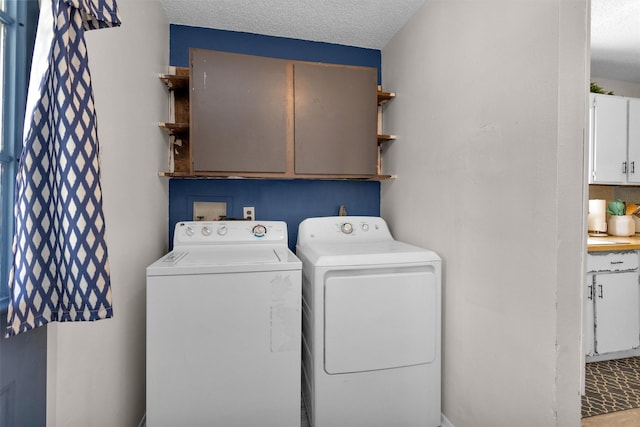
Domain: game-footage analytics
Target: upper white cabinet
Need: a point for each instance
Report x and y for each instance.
(634, 140)
(614, 140)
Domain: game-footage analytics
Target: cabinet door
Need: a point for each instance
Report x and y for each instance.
(335, 119)
(589, 325)
(238, 112)
(617, 319)
(608, 139)
(634, 141)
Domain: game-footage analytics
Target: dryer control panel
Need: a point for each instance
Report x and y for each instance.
(229, 232)
(343, 228)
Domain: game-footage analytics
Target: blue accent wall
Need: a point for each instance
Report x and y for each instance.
(182, 38)
(274, 199)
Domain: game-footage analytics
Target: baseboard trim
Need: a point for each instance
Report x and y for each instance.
(445, 422)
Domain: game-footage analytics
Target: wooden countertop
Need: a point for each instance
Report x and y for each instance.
(613, 243)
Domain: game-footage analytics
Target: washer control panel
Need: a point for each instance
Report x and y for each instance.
(213, 232)
(259, 230)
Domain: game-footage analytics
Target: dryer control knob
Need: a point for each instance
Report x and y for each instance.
(206, 230)
(346, 228)
(189, 231)
(222, 230)
(364, 226)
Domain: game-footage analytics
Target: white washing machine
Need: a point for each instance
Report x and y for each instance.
(223, 328)
(371, 321)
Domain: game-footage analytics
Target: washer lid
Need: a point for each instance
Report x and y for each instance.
(365, 253)
(220, 259)
(225, 256)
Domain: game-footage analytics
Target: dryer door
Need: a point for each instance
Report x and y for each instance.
(380, 320)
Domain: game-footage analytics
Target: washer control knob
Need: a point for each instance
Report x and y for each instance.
(364, 226)
(206, 230)
(259, 230)
(222, 230)
(189, 231)
(346, 228)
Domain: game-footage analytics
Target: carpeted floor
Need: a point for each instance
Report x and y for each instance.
(611, 385)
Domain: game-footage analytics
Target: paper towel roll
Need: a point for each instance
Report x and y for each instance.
(597, 216)
(597, 206)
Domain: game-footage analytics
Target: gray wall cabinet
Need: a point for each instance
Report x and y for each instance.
(256, 116)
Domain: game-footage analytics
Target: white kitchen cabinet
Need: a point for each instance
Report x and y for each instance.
(612, 309)
(589, 319)
(608, 140)
(617, 319)
(633, 175)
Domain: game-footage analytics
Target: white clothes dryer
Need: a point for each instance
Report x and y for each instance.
(223, 328)
(371, 322)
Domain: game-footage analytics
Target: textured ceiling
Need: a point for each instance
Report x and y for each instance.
(362, 23)
(615, 30)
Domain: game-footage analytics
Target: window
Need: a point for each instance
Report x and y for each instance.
(18, 20)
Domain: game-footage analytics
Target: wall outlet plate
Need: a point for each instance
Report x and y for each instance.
(209, 211)
(249, 212)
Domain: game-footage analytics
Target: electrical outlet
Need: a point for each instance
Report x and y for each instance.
(249, 212)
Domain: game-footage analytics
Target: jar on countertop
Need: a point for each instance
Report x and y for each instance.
(621, 225)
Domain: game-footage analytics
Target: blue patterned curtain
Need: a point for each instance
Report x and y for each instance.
(60, 270)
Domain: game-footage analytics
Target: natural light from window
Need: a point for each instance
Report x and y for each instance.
(3, 30)
(18, 20)
(5, 158)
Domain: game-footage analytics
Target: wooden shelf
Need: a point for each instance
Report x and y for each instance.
(174, 82)
(174, 129)
(384, 97)
(258, 175)
(385, 138)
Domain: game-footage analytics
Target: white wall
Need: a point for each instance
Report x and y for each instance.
(490, 116)
(618, 87)
(96, 371)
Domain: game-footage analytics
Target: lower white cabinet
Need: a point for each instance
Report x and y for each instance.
(617, 320)
(589, 319)
(612, 312)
